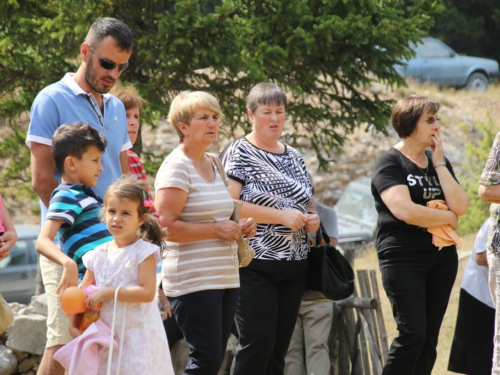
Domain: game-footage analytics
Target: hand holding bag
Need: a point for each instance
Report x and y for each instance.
(245, 252)
(81, 355)
(328, 271)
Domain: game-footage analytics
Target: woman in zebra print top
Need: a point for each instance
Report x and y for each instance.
(271, 178)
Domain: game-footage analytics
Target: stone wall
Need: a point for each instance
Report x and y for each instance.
(22, 346)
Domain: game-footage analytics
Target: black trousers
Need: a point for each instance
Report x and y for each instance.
(267, 310)
(418, 284)
(472, 349)
(205, 318)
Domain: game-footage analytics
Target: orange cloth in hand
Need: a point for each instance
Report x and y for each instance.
(443, 235)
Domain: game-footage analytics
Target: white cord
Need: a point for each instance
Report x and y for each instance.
(122, 339)
(111, 340)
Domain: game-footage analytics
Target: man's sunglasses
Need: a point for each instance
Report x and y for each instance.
(432, 120)
(108, 64)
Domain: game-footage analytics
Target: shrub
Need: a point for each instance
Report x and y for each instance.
(477, 149)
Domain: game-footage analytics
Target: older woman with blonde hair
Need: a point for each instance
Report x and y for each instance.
(271, 178)
(200, 271)
(417, 275)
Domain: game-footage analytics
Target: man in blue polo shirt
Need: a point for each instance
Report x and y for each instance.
(82, 96)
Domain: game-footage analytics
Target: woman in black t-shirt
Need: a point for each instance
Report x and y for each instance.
(417, 276)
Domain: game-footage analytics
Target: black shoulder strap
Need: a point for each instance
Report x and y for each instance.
(321, 233)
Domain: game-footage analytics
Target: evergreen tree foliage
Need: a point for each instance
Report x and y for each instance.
(470, 27)
(323, 53)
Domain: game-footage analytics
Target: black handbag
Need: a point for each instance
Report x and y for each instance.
(328, 271)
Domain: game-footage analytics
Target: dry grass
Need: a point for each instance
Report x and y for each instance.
(474, 104)
(368, 260)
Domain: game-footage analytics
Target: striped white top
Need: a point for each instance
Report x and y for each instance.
(201, 265)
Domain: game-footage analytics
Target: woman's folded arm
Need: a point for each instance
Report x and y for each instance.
(398, 200)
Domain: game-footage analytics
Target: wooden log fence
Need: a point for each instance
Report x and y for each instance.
(358, 339)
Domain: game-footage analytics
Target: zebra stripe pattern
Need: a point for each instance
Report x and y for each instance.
(272, 180)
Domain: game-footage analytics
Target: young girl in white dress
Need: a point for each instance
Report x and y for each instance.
(129, 262)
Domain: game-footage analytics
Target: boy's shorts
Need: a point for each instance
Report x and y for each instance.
(57, 322)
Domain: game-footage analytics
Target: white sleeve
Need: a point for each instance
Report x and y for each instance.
(482, 237)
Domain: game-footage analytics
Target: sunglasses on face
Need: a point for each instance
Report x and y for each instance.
(432, 120)
(108, 64)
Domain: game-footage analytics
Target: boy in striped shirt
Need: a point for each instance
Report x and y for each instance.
(73, 213)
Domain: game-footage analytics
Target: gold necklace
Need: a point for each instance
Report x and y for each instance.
(426, 170)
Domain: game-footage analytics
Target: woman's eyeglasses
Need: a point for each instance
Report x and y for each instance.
(432, 120)
(108, 64)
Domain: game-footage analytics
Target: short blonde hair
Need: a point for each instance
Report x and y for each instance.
(186, 104)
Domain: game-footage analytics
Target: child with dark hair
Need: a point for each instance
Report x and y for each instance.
(73, 213)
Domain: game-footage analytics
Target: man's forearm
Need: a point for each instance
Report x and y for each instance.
(44, 191)
(42, 171)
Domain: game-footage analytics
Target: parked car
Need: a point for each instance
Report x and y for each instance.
(437, 63)
(18, 270)
(356, 215)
